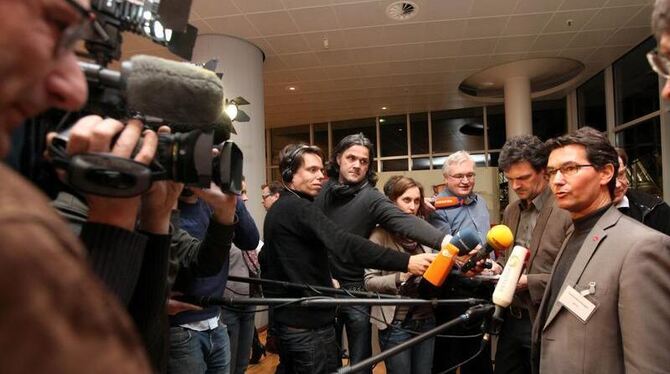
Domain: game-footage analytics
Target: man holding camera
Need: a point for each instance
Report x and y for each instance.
(57, 316)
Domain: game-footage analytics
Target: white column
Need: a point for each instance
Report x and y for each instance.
(518, 111)
(242, 66)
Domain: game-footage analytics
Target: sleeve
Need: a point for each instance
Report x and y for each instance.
(439, 220)
(214, 249)
(537, 283)
(246, 233)
(115, 255)
(374, 279)
(644, 286)
(391, 218)
(349, 248)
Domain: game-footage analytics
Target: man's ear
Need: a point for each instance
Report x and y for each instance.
(606, 174)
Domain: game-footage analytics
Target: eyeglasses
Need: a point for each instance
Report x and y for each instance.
(76, 31)
(659, 63)
(567, 169)
(265, 195)
(468, 176)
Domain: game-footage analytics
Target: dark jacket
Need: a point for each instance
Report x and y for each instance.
(358, 210)
(298, 240)
(648, 209)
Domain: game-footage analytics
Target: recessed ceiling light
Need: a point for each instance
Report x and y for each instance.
(291, 88)
(384, 108)
(382, 120)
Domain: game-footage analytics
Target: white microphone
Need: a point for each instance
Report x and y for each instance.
(506, 287)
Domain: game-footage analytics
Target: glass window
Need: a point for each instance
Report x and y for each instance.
(341, 129)
(549, 118)
(394, 165)
(393, 136)
(643, 146)
(419, 127)
(321, 137)
(493, 159)
(420, 163)
(495, 117)
(455, 130)
(280, 137)
(591, 103)
(635, 84)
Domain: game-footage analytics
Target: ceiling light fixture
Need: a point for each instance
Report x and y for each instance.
(384, 108)
(291, 88)
(402, 10)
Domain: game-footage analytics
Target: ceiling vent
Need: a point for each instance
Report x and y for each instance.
(402, 10)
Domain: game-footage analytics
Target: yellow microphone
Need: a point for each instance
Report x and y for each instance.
(499, 238)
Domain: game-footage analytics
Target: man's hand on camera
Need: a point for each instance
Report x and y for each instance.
(93, 134)
(158, 202)
(223, 204)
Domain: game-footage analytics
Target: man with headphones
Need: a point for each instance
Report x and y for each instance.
(351, 200)
(299, 238)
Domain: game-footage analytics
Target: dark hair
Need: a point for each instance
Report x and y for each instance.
(398, 184)
(599, 150)
(274, 187)
(523, 148)
(292, 157)
(622, 153)
(346, 143)
(660, 18)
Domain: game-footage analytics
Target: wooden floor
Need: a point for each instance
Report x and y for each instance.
(270, 361)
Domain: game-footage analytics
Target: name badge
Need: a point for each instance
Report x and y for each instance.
(577, 304)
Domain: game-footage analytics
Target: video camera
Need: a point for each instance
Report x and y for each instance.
(183, 96)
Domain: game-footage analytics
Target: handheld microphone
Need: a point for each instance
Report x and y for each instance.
(498, 238)
(176, 92)
(459, 245)
(445, 202)
(506, 287)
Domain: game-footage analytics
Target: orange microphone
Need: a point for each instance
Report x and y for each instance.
(445, 202)
(458, 245)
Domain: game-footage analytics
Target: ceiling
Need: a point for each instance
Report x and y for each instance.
(371, 61)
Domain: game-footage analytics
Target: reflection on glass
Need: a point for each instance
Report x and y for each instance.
(420, 163)
(418, 123)
(493, 159)
(343, 128)
(591, 103)
(549, 118)
(393, 133)
(643, 146)
(455, 130)
(394, 165)
(321, 137)
(495, 117)
(635, 84)
(280, 137)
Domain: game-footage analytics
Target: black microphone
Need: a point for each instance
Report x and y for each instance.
(175, 92)
(499, 238)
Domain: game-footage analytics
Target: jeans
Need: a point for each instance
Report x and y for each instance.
(307, 351)
(356, 319)
(199, 352)
(415, 360)
(241, 332)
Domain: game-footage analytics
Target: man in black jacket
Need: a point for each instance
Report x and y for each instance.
(643, 207)
(299, 238)
(350, 200)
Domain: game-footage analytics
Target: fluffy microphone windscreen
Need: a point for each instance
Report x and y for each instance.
(174, 91)
(500, 237)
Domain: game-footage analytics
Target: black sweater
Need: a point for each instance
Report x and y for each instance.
(360, 212)
(298, 239)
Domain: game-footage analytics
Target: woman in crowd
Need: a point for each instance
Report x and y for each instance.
(398, 324)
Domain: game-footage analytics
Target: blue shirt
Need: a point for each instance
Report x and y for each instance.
(472, 213)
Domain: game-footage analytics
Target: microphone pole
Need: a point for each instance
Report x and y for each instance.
(472, 313)
(307, 287)
(320, 301)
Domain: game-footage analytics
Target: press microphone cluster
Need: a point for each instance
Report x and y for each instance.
(459, 245)
(506, 287)
(499, 238)
(175, 92)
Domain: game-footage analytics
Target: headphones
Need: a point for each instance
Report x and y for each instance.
(289, 161)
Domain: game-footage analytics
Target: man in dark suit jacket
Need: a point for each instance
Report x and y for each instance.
(605, 306)
(539, 225)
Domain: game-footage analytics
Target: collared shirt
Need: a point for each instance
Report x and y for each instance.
(623, 204)
(473, 214)
(528, 217)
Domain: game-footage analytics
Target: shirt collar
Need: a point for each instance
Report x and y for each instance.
(539, 200)
(624, 203)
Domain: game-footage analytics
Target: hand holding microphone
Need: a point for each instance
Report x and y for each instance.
(458, 245)
(499, 238)
(419, 263)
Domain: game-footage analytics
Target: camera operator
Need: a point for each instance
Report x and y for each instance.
(57, 315)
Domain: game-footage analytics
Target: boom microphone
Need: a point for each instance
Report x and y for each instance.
(176, 92)
(498, 238)
(459, 245)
